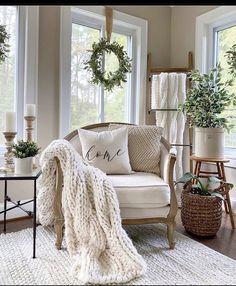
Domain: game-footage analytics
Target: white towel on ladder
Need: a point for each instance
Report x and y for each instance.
(168, 90)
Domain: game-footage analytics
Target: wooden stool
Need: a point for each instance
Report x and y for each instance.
(219, 174)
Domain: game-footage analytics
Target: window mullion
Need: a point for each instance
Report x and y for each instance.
(102, 92)
(20, 71)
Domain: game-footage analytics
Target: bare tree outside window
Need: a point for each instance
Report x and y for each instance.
(8, 67)
(226, 38)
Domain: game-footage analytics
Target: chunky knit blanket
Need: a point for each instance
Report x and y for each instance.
(100, 249)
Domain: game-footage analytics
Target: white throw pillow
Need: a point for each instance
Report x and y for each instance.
(106, 150)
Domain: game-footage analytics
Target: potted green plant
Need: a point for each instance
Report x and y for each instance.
(207, 97)
(24, 151)
(201, 204)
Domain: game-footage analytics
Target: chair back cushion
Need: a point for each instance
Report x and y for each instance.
(106, 150)
(144, 145)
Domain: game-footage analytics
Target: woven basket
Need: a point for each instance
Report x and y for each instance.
(200, 215)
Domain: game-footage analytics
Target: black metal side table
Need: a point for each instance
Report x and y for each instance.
(10, 177)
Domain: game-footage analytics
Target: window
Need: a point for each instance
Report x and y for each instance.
(224, 39)
(91, 103)
(215, 34)
(88, 103)
(8, 17)
(18, 73)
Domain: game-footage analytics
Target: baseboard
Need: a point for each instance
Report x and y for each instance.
(16, 219)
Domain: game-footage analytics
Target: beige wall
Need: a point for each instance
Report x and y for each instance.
(48, 74)
(183, 19)
(158, 18)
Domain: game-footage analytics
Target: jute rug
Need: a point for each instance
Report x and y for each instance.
(190, 263)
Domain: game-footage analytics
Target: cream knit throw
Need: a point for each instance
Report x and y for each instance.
(100, 248)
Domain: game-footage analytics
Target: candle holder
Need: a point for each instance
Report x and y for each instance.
(8, 156)
(29, 128)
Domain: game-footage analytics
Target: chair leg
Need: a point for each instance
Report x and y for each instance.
(171, 234)
(59, 218)
(58, 226)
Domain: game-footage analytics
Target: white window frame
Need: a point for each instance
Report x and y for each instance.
(26, 62)
(94, 15)
(206, 25)
(80, 19)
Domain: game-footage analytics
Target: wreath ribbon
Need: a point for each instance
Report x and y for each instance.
(109, 22)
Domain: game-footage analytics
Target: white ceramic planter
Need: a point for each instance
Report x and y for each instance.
(209, 142)
(23, 166)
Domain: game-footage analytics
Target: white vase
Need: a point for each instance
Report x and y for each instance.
(23, 166)
(209, 142)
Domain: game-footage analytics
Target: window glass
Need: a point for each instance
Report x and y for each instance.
(116, 101)
(91, 103)
(225, 40)
(84, 95)
(8, 67)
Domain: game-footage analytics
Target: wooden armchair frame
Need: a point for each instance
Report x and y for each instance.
(169, 220)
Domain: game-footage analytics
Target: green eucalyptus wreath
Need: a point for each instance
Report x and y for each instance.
(94, 64)
(4, 47)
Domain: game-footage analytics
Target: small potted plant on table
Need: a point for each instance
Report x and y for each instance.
(24, 151)
(201, 209)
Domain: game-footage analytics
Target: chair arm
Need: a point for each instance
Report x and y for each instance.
(168, 159)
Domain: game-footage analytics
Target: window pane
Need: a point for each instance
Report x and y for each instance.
(84, 96)
(116, 102)
(7, 68)
(226, 38)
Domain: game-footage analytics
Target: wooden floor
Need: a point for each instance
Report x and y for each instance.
(224, 241)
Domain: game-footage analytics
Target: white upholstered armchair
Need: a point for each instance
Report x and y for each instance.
(144, 198)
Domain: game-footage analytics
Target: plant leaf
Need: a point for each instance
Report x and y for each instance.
(185, 178)
(215, 194)
(214, 180)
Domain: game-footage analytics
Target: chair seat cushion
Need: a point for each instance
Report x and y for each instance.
(141, 190)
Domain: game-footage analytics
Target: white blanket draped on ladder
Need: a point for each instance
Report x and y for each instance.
(168, 90)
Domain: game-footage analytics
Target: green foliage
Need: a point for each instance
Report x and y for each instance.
(207, 98)
(210, 94)
(4, 47)
(201, 189)
(99, 76)
(231, 59)
(24, 149)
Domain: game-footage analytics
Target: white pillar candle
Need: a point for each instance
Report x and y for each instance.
(10, 124)
(30, 110)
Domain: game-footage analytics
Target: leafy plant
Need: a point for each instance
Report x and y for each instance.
(200, 188)
(24, 149)
(4, 46)
(207, 98)
(208, 95)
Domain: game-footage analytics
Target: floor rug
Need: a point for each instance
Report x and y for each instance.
(190, 263)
